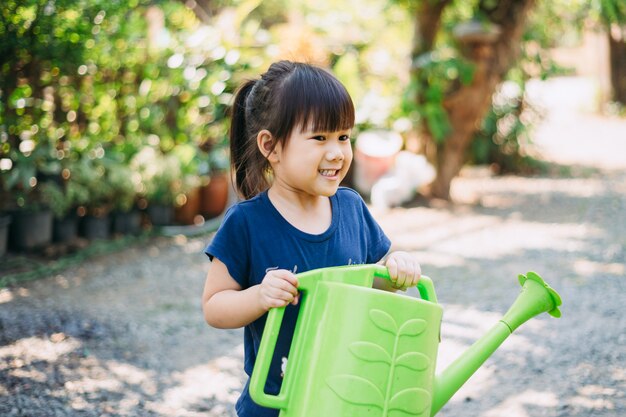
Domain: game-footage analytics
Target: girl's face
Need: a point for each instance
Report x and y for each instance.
(313, 163)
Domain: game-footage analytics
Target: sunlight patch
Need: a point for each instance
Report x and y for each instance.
(586, 267)
(219, 380)
(6, 296)
(32, 349)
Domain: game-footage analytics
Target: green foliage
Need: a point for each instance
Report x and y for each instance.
(123, 182)
(437, 73)
(25, 169)
(91, 83)
(550, 24)
(40, 42)
(64, 198)
(90, 173)
(506, 131)
(364, 42)
(161, 176)
(100, 81)
(440, 72)
(611, 11)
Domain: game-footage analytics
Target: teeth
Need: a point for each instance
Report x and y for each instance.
(328, 172)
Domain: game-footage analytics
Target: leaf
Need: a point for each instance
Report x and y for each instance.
(413, 327)
(413, 360)
(370, 352)
(356, 390)
(384, 321)
(412, 401)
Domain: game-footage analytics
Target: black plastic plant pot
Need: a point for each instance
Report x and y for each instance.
(160, 215)
(92, 227)
(65, 230)
(5, 221)
(126, 223)
(30, 230)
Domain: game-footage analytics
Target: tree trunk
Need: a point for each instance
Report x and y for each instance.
(617, 59)
(427, 23)
(466, 109)
(468, 104)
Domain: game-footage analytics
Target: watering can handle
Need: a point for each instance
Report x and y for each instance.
(424, 285)
(264, 359)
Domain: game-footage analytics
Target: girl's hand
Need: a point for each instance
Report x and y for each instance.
(278, 288)
(404, 270)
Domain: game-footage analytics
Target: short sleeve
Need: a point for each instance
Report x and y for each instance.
(377, 242)
(231, 245)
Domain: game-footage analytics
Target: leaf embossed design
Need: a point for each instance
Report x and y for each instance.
(356, 390)
(413, 360)
(370, 352)
(413, 327)
(384, 321)
(388, 396)
(413, 401)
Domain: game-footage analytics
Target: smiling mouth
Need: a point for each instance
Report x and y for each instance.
(329, 172)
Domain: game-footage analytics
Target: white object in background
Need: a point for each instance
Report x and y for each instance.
(374, 155)
(410, 173)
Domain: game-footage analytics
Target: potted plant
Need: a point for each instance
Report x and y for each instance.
(125, 217)
(187, 204)
(5, 216)
(63, 200)
(22, 177)
(5, 221)
(162, 183)
(96, 204)
(214, 169)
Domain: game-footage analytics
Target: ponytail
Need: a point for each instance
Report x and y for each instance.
(245, 158)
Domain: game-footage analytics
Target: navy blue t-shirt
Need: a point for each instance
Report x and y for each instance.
(254, 238)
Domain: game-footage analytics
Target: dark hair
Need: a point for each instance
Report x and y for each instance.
(288, 95)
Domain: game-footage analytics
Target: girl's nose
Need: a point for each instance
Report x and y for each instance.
(335, 153)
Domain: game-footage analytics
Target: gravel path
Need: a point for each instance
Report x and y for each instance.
(124, 336)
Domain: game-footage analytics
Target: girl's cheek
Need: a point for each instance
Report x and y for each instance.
(348, 158)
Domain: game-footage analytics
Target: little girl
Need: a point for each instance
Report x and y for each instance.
(290, 149)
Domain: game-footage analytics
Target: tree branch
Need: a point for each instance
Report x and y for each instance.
(427, 22)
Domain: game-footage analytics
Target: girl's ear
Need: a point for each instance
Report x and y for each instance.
(267, 145)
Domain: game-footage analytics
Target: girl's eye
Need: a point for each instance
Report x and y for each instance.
(320, 138)
(344, 138)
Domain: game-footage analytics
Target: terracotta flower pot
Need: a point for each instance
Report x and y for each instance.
(187, 213)
(214, 195)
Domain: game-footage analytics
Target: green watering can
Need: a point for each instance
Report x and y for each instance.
(361, 352)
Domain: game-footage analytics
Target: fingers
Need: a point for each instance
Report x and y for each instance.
(392, 267)
(285, 275)
(279, 288)
(404, 270)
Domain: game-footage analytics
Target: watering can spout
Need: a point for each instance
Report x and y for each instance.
(536, 297)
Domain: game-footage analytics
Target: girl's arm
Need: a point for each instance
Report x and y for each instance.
(227, 306)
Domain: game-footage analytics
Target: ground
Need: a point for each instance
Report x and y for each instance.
(123, 335)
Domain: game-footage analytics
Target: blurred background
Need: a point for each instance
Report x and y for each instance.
(490, 138)
(113, 115)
